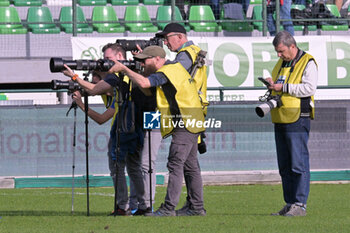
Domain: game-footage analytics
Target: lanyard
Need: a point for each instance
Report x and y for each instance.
(291, 64)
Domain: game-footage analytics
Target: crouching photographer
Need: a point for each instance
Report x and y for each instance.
(294, 79)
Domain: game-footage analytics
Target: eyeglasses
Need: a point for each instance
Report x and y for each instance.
(167, 37)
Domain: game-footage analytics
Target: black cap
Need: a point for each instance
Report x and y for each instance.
(171, 27)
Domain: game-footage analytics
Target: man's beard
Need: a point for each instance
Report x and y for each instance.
(149, 70)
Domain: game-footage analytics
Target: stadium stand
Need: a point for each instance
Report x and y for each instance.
(164, 17)
(153, 2)
(302, 27)
(107, 14)
(257, 15)
(235, 27)
(66, 15)
(158, 18)
(42, 21)
(335, 12)
(11, 21)
(124, 2)
(140, 15)
(255, 1)
(4, 3)
(27, 2)
(203, 13)
(92, 2)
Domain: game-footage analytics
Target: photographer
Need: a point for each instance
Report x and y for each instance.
(130, 142)
(294, 78)
(177, 100)
(175, 39)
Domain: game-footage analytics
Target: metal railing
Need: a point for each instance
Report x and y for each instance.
(278, 21)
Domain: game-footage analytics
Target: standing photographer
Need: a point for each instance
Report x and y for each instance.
(130, 143)
(294, 78)
(175, 39)
(178, 102)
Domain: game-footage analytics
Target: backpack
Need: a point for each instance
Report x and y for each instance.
(317, 11)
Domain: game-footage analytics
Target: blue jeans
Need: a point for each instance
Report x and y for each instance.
(293, 160)
(284, 14)
(215, 6)
(299, 2)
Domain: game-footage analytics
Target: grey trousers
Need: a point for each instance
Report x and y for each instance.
(132, 163)
(183, 162)
(156, 140)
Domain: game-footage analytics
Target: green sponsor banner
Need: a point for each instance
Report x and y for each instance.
(238, 61)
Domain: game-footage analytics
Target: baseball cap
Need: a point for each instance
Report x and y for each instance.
(151, 51)
(171, 27)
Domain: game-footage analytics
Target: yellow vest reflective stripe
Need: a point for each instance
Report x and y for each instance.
(200, 78)
(290, 110)
(186, 100)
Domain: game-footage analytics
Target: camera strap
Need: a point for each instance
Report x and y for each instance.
(291, 64)
(128, 112)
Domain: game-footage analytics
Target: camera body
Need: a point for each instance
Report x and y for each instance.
(132, 65)
(130, 45)
(270, 101)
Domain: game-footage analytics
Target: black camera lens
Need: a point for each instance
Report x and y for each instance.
(57, 64)
(130, 45)
(69, 85)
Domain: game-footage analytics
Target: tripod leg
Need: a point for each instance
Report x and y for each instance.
(115, 189)
(74, 105)
(73, 167)
(86, 105)
(150, 171)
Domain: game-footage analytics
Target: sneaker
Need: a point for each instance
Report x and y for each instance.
(191, 212)
(283, 211)
(183, 210)
(295, 210)
(121, 212)
(140, 212)
(162, 212)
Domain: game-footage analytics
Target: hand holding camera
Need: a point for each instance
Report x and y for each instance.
(270, 101)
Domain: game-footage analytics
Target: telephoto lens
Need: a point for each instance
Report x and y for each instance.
(130, 45)
(69, 85)
(266, 107)
(57, 64)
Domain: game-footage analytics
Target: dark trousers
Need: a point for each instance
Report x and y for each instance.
(183, 162)
(293, 160)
